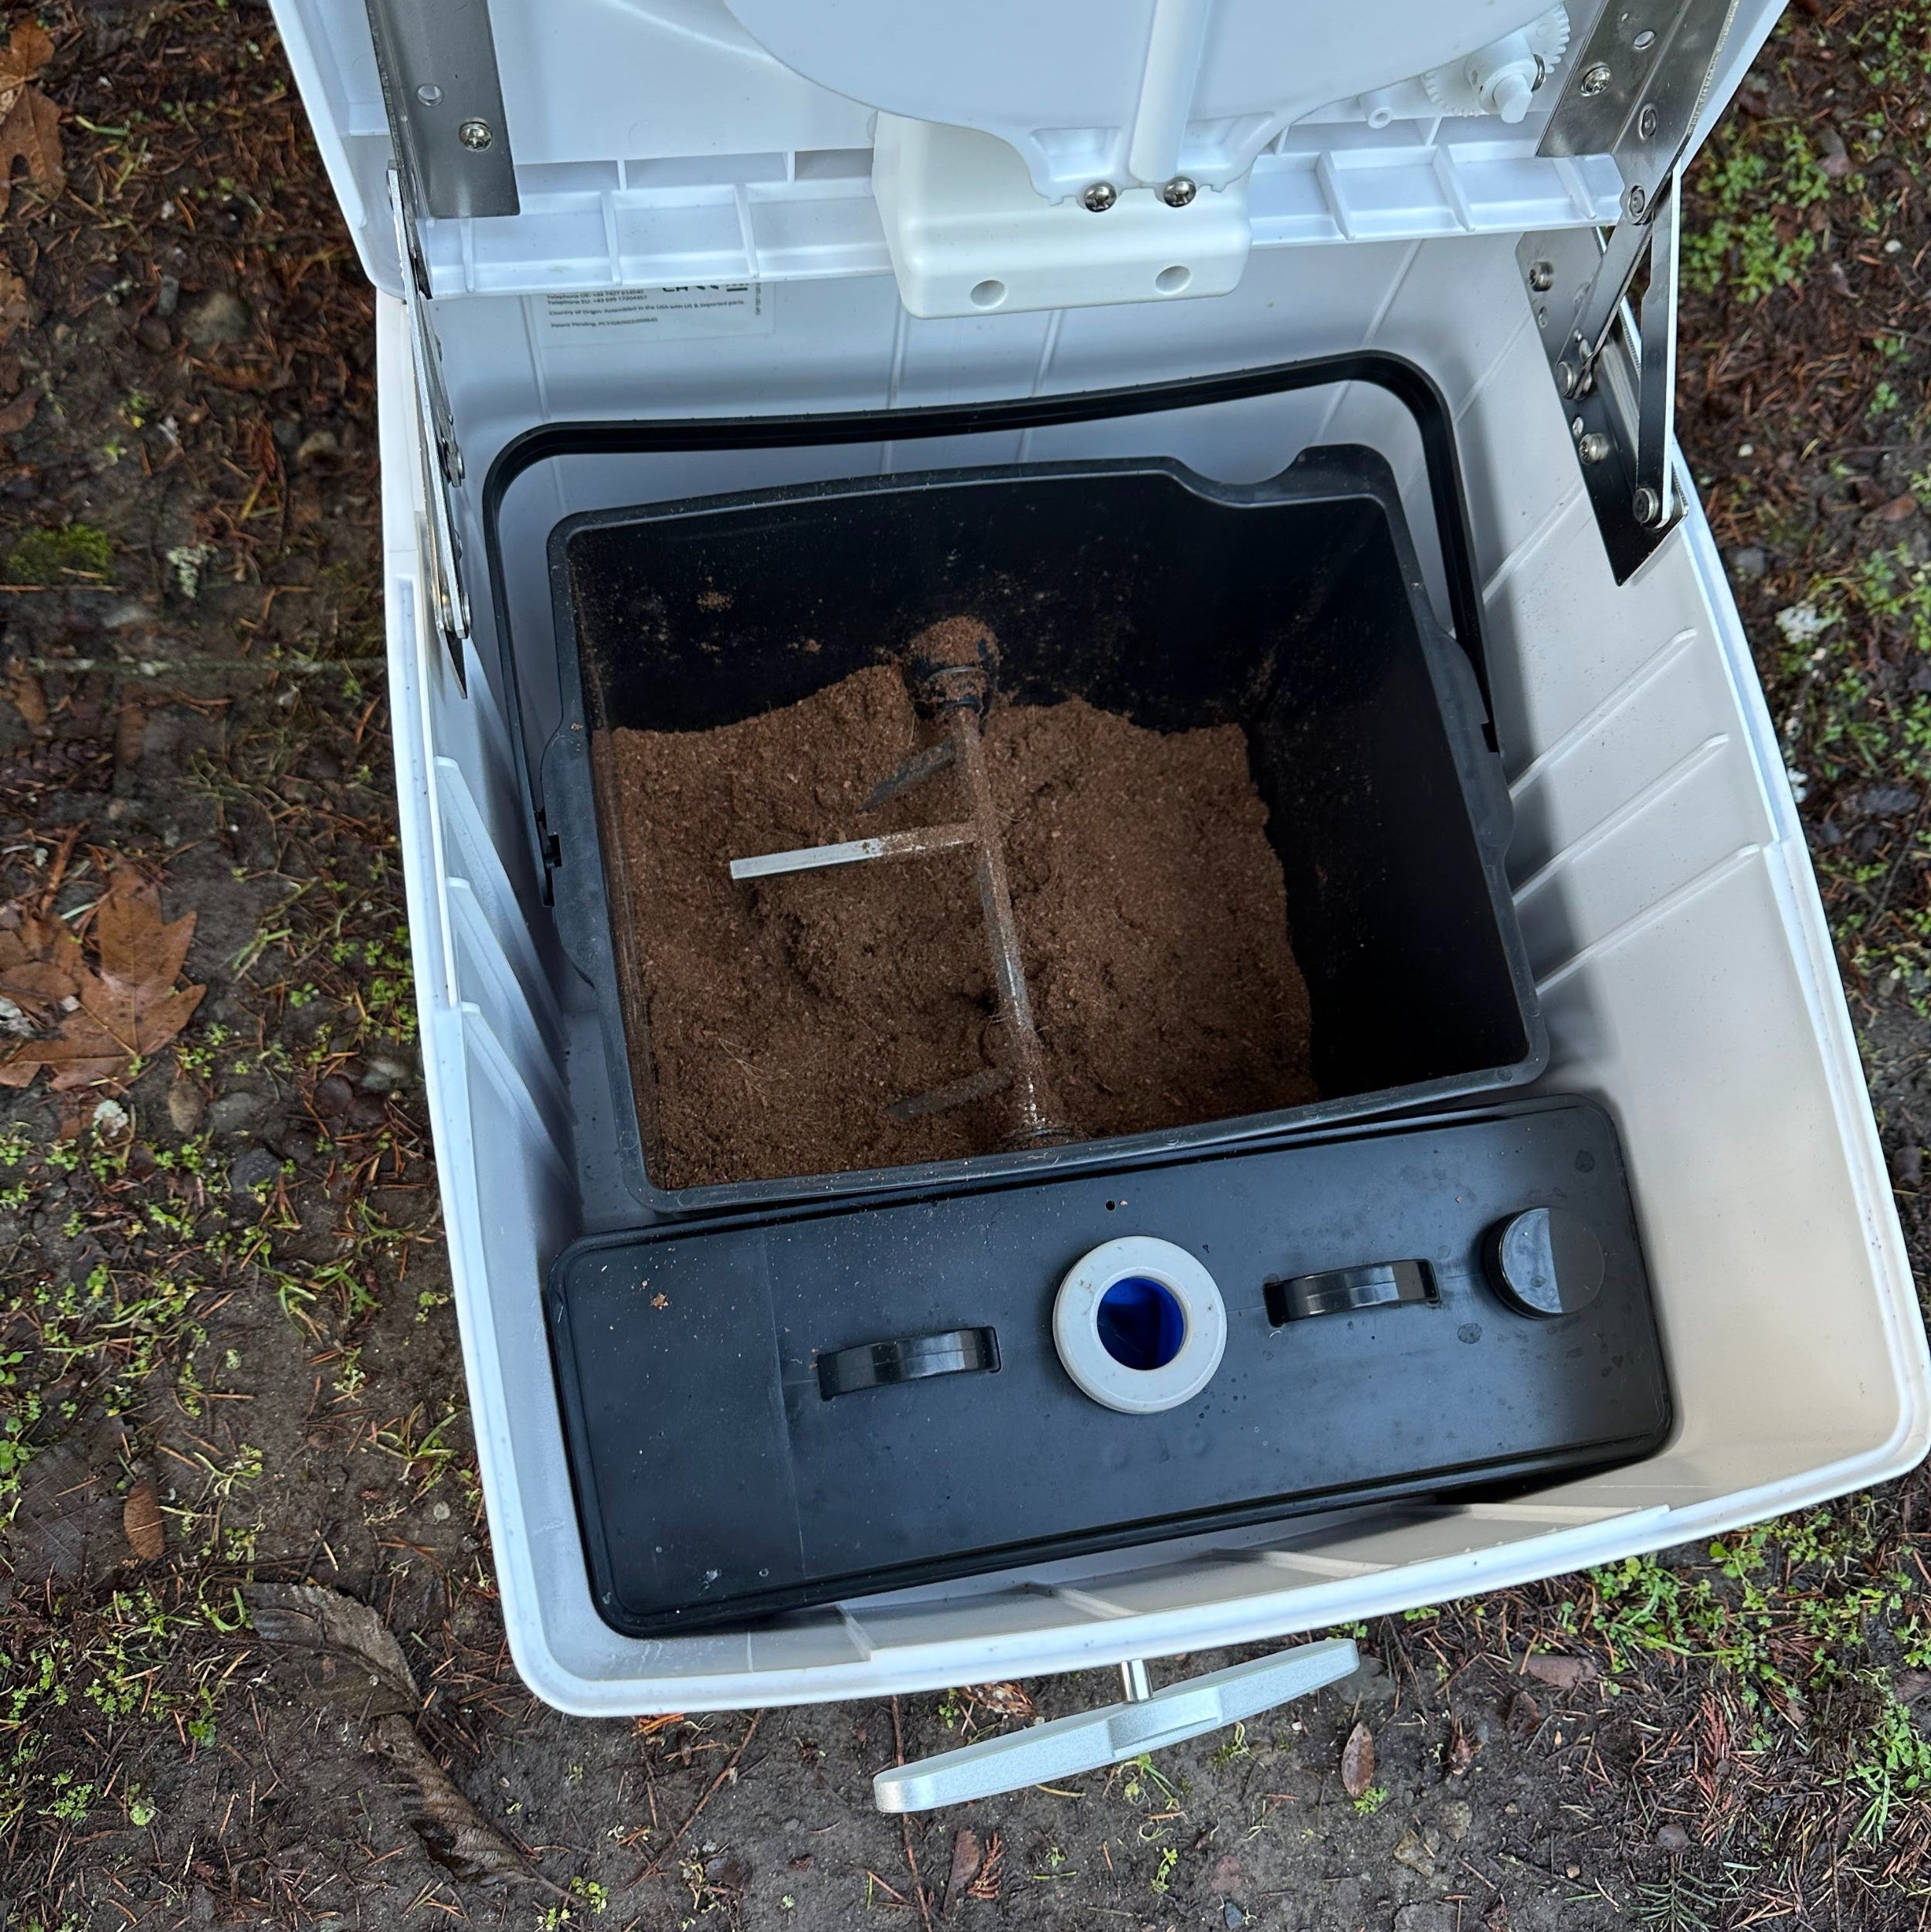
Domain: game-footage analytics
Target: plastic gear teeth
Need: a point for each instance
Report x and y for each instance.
(1550, 34)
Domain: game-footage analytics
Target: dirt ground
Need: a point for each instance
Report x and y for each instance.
(224, 1340)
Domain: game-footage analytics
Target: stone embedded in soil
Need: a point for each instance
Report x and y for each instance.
(333, 1096)
(256, 1168)
(1370, 1682)
(1417, 1850)
(236, 1113)
(1882, 801)
(1672, 1837)
(1225, 1875)
(383, 1074)
(221, 316)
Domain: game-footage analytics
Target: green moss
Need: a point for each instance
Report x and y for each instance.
(53, 556)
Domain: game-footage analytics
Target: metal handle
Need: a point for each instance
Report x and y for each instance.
(1068, 1746)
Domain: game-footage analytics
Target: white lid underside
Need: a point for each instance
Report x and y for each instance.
(662, 140)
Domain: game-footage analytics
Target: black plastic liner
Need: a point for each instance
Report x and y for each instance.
(722, 1474)
(1295, 608)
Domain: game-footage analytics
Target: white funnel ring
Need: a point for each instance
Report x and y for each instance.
(1139, 1325)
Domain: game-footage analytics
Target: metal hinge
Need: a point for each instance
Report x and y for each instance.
(1637, 92)
(444, 99)
(442, 456)
(452, 159)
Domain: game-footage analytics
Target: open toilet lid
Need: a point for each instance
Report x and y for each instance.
(1134, 92)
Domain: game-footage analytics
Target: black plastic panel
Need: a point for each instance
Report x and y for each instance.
(717, 1482)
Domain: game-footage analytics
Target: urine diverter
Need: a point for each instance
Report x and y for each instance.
(1139, 1325)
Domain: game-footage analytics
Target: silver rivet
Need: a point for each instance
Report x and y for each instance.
(1593, 447)
(1646, 124)
(1644, 41)
(475, 135)
(1179, 191)
(1566, 378)
(1577, 425)
(1542, 277)
(1593, 80)
(1636, 201)
(429, 93)
(1099, 197)
(1646, 505)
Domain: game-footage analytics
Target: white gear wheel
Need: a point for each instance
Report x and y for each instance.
(1449, 88)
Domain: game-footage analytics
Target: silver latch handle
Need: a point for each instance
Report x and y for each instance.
(1095, 1739)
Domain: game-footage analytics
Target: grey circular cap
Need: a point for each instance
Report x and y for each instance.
(1545, 1261)
(1076, 1328)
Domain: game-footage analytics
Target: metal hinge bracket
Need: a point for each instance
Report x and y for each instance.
(442, 456)
(444, 99)
(451, 159)
(1637, 91)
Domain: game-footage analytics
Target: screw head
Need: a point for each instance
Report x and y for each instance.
(1593, 79)
(1636, 201)
(1593, 447)
(1542, 277)
(1646, 506)
(1099, 197)
(475, 135)
(1646, 123)
(1179, 191)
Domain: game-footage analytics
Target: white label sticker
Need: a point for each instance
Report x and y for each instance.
(691, 308)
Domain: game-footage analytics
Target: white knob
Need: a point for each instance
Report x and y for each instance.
(1510, 92)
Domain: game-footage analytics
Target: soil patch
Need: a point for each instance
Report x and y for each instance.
(784, 1016)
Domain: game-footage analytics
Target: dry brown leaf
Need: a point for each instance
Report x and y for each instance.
(1561, 1673)
(349, 1655)
(129, 1005)
(1358, 1761)
(29, 696)
(13, 303)
(1521, 1717)
(453, 1832)
(41, 963)
(1009, 1700)
(352, 1655)
(29, 122)
(16, 415)
(28, 48)
(31, 133)
(140, 1519)
(967, 1853)
(1463, 1744)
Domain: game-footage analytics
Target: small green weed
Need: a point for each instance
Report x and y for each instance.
(1891, 1767)
(1752, 189)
